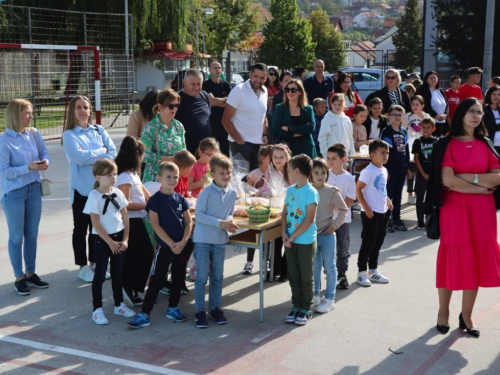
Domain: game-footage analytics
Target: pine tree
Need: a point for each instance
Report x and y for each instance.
(329, 45)
(288, 41)
(408, 38)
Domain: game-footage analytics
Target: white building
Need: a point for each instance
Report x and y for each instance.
(368, 20)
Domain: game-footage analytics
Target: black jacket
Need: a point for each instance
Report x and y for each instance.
(384, 121)
(434, 196)
(425, 92)
(383, 94)
(490, 123)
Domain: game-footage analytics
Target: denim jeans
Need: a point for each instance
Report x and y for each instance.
(208, 256)
(325, 256)
(23, 209)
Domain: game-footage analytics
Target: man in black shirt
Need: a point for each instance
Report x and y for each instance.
(218, 90)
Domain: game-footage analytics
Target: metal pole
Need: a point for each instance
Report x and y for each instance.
(84, 20)
(488, 43)
(203, 33)
(197, 42)
(126, 28)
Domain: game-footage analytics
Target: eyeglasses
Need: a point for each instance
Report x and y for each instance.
(478, 113)
(293, 90)
(209, 154)
(397, 115)
(390, 77)
(172, 106)
(273, 74)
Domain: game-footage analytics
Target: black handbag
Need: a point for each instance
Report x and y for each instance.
(432, 224)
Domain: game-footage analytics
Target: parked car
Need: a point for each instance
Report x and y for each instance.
(367, 80)
(244, 75)
(236, 79)
(177, 83)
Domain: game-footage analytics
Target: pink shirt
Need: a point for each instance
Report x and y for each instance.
(199, 171)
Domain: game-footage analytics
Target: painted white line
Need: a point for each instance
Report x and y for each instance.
(266, 335)
(93, 356)
(55, 199)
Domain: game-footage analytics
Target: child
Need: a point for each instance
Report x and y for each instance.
(376, 205)
(410, 89)
(345, 182)
(397, 166)
(172, 223)
(376, 122)
(336, 127)
(422, 149)
(453, 97)
(185, 162)
(139, 254)
(319, 106)
(107, 208)
(330, 199)
(214, 218)
(298, 223)
(197, 177)
(358, 129)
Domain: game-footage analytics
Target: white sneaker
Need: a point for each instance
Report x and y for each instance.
(356, 206)
(125, 311)
(412, 200)
(247, 270)
(316, 301)
(375, 276)
(86, 274)
(98, 317)
(325, 306)
(363, 279)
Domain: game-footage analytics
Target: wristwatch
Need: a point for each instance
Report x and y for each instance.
(475, 181)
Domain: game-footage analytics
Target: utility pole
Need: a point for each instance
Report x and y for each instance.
(488, 43)
(197, 42)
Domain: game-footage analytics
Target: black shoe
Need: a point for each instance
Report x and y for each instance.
(22, 287)
(471, 331)
(342, 282)
(390, 227)
(200, 319)
(35, 281)
(137, 301)
(400, 225)
(218, 316)
(184, 289)
(442, 328)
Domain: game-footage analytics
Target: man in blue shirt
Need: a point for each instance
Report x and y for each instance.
(319, 85)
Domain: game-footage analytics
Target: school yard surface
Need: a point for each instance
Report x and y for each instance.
(384, 329)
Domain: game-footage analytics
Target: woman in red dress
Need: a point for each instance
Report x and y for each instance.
(468, 255)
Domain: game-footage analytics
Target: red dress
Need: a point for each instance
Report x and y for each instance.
(468, 255)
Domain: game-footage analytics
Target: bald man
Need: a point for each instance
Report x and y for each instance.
(319, 85)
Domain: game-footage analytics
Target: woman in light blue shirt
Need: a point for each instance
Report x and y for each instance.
(22, 155)
(83, 144)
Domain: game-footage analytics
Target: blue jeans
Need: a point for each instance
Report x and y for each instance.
(207, 257)
(23, 209)
(325, 256)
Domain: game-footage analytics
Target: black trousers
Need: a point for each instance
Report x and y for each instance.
(138, 258)
(220, 134)
(420, 189)
(248, 151)
(372, 239)
(103, 254)
(81, 226)
(439, 129)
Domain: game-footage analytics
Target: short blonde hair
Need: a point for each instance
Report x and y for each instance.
(220, 161)
(12, 116)
(184, 158)
(164, 98)
(169, 166)
(396, 73)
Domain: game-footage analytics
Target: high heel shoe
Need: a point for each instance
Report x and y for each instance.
(471, 331)
(442, 328)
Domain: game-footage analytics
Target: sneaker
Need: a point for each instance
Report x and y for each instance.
(292, 315)
(248, 269)
(192, 274)
(325, 306)
(86, 274)
(420, 226)
(22, 288)
(165, 291)
(303, 317)
(376, 276)
(141, 320)
(363, 279)
(108, 276)
(390, 227)
(35, 281)
(342, 282)
(98, 317)
(200, 319)
(137, 301)
(356, 206)
(316, 301)
(175, 314)
(412, 199)
(184, 289)
(400, 225)
(125, 311)
(127, 299)
(218, 316)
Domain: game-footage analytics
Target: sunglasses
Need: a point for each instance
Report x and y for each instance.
(292, 90)
(390, 77)
(273, 75)
(172, 106)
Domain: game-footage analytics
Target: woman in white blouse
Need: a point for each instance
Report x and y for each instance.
(491, 116)
(436, 104)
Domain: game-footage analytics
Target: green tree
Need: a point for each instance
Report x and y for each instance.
(329, 44)
(408, 38)
(287, 38)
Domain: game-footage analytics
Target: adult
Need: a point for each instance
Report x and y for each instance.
(218, 89)
(138, 119)
(23, 154)
(435, 101)
(494, 81)
(466, 164)
(272, 85)
(293, 121)
(391, 94)
(470, 89)
(285, 76)
(164, 135)
(83, 145)
(300, 72)
(343, 86)
(194, 110)
(492, 115)
(319, 85)
(245, 116)
(453, 96)
(409, 80)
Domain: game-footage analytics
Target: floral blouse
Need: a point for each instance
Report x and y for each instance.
(170, 140)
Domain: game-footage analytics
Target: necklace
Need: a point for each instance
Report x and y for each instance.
(469, 144)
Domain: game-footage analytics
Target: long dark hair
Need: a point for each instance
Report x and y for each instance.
(457, 122)
(338, 89)
(425, 84)
(147, 103)
(130, 155)
(487, 97)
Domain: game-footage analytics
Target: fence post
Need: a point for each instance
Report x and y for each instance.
(32, 66)
(84, 20)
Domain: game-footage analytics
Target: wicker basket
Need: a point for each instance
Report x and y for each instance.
(258, 216)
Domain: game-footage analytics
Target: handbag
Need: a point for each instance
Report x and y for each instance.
(432, 224)
(44, 182)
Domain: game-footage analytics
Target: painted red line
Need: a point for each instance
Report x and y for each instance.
(38, 366)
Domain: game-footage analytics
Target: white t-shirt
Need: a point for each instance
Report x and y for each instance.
(136, 192)
(250, 113)
(375, 191)
(346, 183)
(374, 131)
(112, 221)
